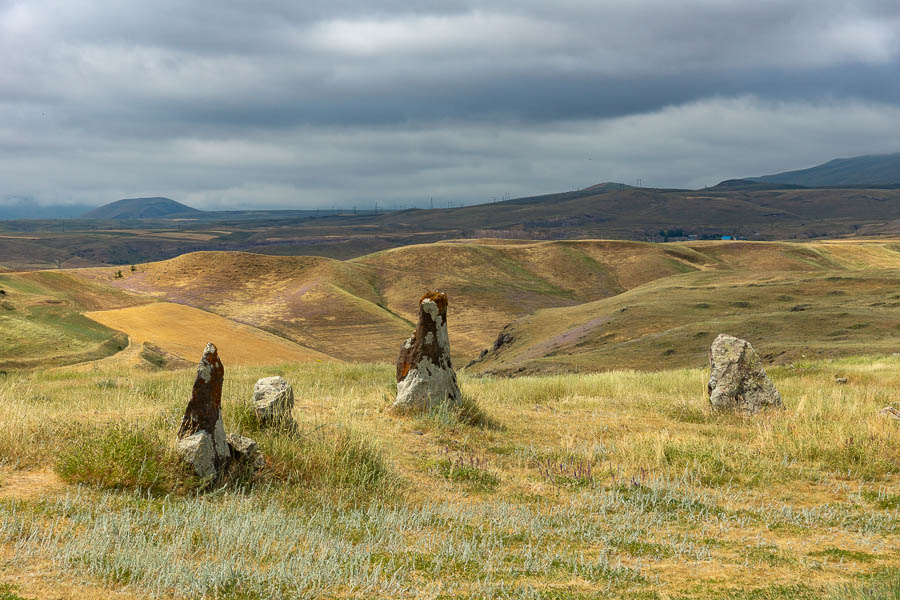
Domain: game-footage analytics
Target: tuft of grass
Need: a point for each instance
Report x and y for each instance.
(842, 555)
(469, 469)
(570, 473)
(330, 457)
(120, 457)
(468, 413)
(882, 499)
(7, 592)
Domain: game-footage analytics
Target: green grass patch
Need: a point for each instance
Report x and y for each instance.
(882, 499)
(329, 457)
(8, 592)
(843, 555)
(121, 457)
(468, 469)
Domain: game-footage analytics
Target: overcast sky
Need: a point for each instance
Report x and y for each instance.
(225, 104)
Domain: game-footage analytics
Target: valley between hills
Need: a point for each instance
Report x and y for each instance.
(516, 307)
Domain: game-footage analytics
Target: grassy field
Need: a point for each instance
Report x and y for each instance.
(609, 211)
(620, 484)
(792, 301)
(177, 329)
(41, 320)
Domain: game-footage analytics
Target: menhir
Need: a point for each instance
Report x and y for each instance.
(737, 380)
(201, 437)
(425, 376)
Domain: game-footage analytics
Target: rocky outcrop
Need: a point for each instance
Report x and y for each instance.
(737, 380)
(425, 375)
(503, 339)
(201, 437)
(273, 401)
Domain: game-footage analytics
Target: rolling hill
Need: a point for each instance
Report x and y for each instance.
(142, 208)
(793, 301)
(562, 305)
(860, 171)
(42, 322)
(362, 309)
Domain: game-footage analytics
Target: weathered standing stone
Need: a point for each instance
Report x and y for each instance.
(425, 376)
(737, 380)
(201, 437)
(273, 400)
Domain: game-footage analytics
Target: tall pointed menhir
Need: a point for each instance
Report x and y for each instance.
(201, 437)
(425, 376)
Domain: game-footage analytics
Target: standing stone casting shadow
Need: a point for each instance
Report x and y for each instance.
(201, 437)
(425, 375)
(737, 380)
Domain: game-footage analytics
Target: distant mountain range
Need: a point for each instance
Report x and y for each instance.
(875, 170)
(143, 208)
(872, 171)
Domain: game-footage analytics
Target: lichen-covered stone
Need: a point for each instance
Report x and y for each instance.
(273, 401)
(737, 380)
(425, 375)
(201, 437)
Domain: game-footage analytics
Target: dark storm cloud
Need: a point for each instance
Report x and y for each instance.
(320, 103)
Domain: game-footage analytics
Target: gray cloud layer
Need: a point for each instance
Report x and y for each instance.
(348, 103)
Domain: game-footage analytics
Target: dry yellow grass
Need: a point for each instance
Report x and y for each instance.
(679, 502)
(183, 331)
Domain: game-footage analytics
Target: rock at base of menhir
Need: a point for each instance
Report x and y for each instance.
(273, 401)
(737, 380)
(201, 437)
(244, 450)
(425, 375)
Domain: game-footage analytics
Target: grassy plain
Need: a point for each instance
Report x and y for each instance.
(178, 329)
(620, 484)
(602, 211)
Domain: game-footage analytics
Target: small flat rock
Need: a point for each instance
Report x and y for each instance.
(891, 411)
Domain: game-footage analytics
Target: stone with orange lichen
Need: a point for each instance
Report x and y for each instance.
(201, 437)
(425, 375)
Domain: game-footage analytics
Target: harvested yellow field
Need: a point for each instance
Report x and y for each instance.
(184, 331)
